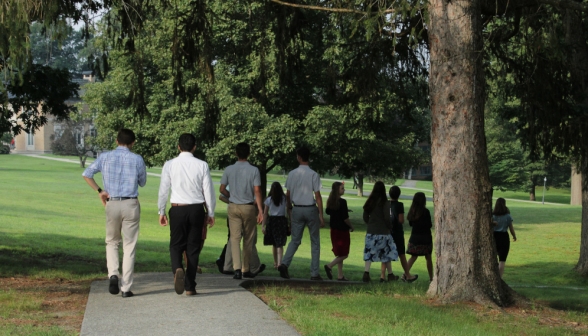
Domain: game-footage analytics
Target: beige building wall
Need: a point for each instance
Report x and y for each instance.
(576, 182)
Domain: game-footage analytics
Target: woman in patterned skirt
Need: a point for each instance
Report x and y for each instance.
(379, 244)
(275, 224)
(421, 239)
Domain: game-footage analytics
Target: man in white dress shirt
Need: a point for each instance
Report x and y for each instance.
(191, 190)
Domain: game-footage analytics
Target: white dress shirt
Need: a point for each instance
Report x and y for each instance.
(190, 182)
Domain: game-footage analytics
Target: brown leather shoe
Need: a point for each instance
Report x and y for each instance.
(392, 277)
(190, 293)
(179, 281)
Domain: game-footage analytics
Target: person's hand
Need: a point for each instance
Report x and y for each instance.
(210, 222)
(322, 221)
(263, 229)
(514, 238)
(163, 220)
(103, 197)
(259, 218)
(351, 228)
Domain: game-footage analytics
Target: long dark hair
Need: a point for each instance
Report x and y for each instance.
(333, 200)
(500, 207)
(417, 207)
(377, 196)
(276, 193)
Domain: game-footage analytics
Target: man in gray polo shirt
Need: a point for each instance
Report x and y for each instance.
(245, 208)
(304, 194)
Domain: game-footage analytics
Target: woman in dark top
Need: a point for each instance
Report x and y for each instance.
(421, 240)
(397, 218)
(379, 244)
(340, 228)
(502, 221)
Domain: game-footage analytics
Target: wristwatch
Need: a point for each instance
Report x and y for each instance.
(99, 190)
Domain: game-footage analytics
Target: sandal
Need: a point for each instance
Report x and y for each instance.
(343, 279)
(416, 276)
(329, 272)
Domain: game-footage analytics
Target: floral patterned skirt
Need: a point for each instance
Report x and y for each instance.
(379, 248)
(276, 231)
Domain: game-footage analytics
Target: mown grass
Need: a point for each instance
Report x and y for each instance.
(53, 223)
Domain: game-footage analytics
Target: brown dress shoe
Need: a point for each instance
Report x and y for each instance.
(190, 293)
(179, 281)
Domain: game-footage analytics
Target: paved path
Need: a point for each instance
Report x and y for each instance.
(221, 307)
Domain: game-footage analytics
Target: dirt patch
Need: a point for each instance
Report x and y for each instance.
(63, 301)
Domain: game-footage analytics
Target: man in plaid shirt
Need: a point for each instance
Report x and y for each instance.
(122, 174)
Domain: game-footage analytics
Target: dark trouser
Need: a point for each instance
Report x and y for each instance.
(224, 252)
(185, 223)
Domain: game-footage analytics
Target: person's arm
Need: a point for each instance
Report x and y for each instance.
(345, 212)
(142, 178)
(164, 185)
(265, 218)
(209, 196)
(288, 204)
(319, 204)
(259, 203)
(223, 190)
(89, 177)
(387, 220)
(223, 198)
(400, 213)
(512, 231)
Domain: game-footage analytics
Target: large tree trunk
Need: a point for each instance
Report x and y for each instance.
(579, 76)
(582, 265)
(532, 196)
(467, 267)
(263, 176)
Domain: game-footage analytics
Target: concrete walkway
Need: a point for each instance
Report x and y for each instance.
(221, 307)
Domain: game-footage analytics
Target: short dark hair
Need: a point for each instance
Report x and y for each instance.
(187, 142)
(125, 137)
(394, 192)
(304, 153)
(242, 150)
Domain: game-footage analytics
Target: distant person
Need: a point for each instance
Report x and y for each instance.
(225, 260)
(502, 221)
(397, 218)
(340, 228)
(379, 244)
(275, 223)
(191, 190)
(420, 242)
(305, 206)
(122, 174)
(245, 209)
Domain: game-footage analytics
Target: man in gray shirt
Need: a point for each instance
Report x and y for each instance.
(245, 208)
(304, 193)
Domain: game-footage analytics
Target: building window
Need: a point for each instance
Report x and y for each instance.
(30, 139)
(426, 170)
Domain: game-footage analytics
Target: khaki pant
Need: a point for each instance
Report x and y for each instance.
(122, 223)
(242, 223)
(254, 262)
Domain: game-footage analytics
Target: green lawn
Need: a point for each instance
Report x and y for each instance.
(53, 223)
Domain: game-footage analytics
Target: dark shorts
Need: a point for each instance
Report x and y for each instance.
(399, 241)
(341, 242)
(419, 250)
(502, 241)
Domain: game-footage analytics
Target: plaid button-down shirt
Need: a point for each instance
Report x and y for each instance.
(122, 172)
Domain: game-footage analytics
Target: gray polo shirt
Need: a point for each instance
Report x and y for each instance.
(302, 183)
(241, 177)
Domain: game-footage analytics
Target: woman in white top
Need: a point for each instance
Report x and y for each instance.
(275, 224)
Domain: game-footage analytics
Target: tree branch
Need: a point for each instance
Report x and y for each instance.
(327, 9)
(499, 7)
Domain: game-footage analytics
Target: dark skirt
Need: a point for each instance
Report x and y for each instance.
(502, 240)
(341, 242)
(276, 231)
(419, 250)
(399, 241)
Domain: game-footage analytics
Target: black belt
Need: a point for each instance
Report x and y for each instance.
(120, 198)
(304, 206)
(252, 203)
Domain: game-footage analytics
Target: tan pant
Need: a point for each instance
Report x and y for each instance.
(122, 217)
(242, 223)
(254, 262)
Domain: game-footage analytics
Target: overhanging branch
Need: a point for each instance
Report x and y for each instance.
(329, 9)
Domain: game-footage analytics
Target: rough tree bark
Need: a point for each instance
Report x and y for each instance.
(582, 265)
(360, 184)
(466, 268)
